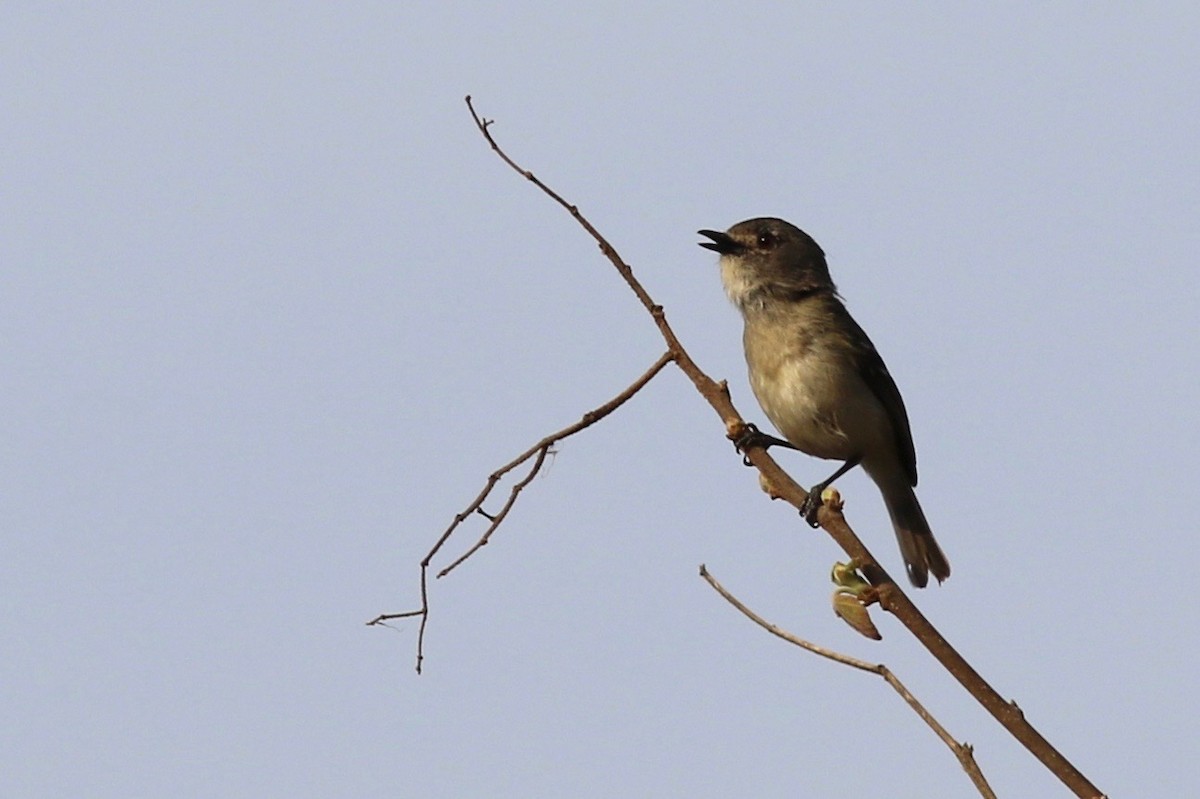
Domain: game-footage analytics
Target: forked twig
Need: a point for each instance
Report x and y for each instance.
(541, 449)
(538, 452)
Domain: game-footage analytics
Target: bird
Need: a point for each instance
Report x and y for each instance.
(819, 379)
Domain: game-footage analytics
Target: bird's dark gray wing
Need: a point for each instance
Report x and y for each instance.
(875, 374)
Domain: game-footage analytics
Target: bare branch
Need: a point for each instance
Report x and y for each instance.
(389, 616)
(711, 390)
(540, 450)
(891, 597)
(964, 753)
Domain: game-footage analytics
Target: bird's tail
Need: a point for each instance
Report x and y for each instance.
(922, 555)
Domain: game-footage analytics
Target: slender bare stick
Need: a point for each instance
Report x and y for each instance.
(538, 451)
(892, 598)
(543, 447)
(962, 752)
(542, 451)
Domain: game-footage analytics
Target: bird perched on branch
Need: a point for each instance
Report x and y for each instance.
(819, 378)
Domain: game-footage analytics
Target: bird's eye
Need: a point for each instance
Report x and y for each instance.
(767, 240)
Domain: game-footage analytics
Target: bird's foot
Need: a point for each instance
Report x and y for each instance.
(812, 504)
(749, 436)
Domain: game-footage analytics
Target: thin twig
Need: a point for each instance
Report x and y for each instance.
(964, 753)
(499, 517)
(389, 616)
(540, 450)
(704, 384)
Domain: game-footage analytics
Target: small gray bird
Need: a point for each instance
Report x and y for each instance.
(819, 378)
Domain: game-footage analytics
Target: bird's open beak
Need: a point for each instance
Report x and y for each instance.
(721, 242)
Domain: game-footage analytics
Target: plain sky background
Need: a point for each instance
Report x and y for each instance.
(271, 311)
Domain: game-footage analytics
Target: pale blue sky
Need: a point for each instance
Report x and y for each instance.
(271, 311)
